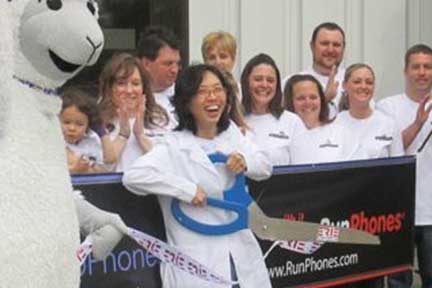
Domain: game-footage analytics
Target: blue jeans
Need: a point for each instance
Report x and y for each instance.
(423, 242)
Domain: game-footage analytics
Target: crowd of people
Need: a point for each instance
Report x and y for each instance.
(156, 124)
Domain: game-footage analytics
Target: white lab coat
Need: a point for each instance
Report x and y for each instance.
(174, 168)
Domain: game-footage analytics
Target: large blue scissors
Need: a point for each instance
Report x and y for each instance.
(250, 216)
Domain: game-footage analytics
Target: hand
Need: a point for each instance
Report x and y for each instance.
(107, 228)
(138, 127)
(105, 240)
(123, 120)
(77, 163)
(236, 163)
(200, 199)
(332, 86)
(423, 112)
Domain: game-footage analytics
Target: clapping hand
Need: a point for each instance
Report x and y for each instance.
(138, 127)
(332, 85)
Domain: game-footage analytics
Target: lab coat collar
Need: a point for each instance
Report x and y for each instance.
(196, 153)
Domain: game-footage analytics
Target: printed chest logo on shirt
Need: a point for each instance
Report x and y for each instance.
(383, 138)
(328, 144)
(280, 135)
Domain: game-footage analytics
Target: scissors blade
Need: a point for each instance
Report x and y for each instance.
(273, 229)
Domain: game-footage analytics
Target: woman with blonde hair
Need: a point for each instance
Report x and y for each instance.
(376, 133)
(219, 49)
(129, 110)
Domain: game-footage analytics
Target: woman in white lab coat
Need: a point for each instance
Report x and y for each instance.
(179, 168)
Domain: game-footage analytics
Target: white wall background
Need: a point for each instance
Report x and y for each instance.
(377, 32)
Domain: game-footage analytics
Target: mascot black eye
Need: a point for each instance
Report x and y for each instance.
(54, 4)
(91, 7)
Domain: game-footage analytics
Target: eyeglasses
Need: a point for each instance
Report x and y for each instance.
(217, 91)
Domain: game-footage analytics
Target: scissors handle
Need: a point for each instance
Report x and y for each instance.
(241, 222)
(236, 199)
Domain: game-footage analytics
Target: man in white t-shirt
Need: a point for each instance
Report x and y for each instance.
(411, 112)
(328, 47)
(159, 51)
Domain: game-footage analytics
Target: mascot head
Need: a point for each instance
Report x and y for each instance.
(54, 39)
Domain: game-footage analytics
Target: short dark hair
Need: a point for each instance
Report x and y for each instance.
(289, 95)
(275, 105)
(153, 39)
(86, 104)
(328, 26)
(416, 49)
(186, 88)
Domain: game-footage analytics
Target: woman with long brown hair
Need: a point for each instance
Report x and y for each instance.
(128, 110)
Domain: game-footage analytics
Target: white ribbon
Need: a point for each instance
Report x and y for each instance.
(164, 253)
(85, 249)
(302, 247)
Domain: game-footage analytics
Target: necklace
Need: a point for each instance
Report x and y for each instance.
(47, 91)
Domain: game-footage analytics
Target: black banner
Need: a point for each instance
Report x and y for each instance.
(129, 265)
(374, 195)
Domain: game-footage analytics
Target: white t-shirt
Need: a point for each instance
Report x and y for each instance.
(133, 150)
(404, 111)
(274, 135)
(90, 146)
(334, 104)
(163, 98)
(320, 145)
(374, 137)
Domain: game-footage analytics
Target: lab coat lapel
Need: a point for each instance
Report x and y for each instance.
(197, 154)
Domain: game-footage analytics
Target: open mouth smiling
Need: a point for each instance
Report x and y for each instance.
(61, 64)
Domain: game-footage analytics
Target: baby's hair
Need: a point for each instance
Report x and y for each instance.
(85, 103)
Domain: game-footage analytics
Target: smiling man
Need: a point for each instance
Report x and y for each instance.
(328, 46)
(159, 52)
(411, 112)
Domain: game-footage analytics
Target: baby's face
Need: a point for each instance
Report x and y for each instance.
(74, 124)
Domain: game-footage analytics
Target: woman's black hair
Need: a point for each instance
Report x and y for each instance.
(275, 105)
(186, 88)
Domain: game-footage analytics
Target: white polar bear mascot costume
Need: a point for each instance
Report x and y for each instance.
(42, 44)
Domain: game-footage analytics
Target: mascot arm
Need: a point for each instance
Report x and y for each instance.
(107, 228)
